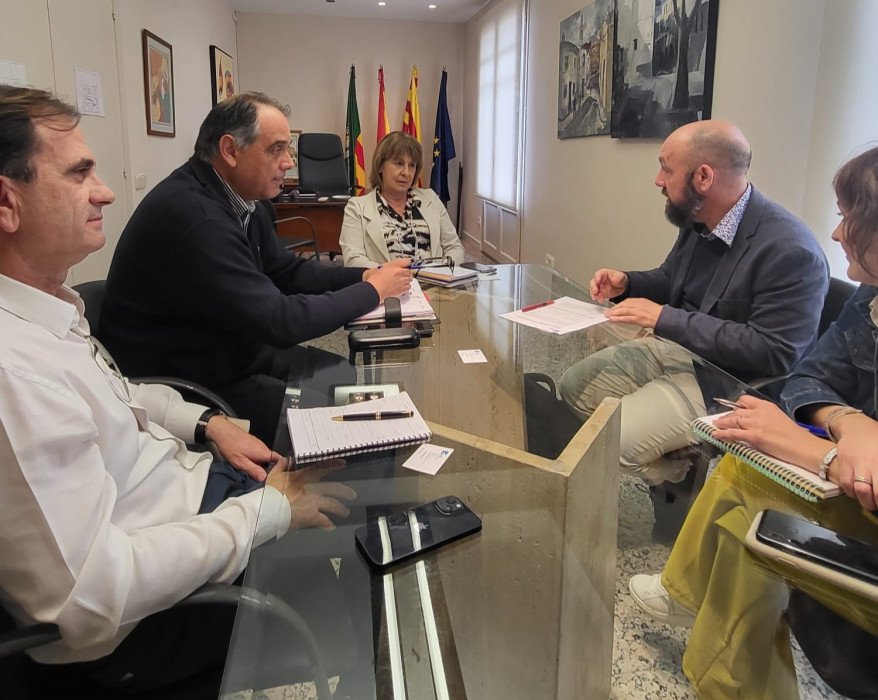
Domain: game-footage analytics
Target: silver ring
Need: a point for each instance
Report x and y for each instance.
(863, 480)
(738, 422)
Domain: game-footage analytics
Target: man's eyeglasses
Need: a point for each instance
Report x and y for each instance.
(109, 367)
(418, 265)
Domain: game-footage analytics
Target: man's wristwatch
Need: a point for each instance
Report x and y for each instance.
(201, 425)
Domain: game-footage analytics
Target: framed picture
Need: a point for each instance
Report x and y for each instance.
(222, 75)
(663, 75)
(585, 71)
(292, 176)
(158, 85)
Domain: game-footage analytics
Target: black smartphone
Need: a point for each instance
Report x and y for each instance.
(479, 267)
(383, 338)
(393, 538)
(811, 541)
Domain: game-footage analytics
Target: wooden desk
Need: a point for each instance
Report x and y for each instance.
(326, 217)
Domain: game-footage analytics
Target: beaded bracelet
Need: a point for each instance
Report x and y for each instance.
(838, 412)
(825, 462)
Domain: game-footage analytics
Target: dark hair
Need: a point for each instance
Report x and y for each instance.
(856, 186)
(21, 109)
(395, 144)
(237, 117)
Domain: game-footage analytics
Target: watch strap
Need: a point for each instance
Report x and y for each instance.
(200, 435)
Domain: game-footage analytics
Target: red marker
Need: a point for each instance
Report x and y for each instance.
(537, 306)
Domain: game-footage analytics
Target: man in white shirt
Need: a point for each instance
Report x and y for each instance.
(106, 518)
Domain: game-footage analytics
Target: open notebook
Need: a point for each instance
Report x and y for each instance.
(315, 435)
(414, 304)
(800, 481)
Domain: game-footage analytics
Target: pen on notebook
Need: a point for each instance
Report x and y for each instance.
(537, 306)
(380, 415)
(813, 429)
(727, 403)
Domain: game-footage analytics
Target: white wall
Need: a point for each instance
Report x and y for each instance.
(845, 112)
(190, 28)
(305, 62)
(591, 202)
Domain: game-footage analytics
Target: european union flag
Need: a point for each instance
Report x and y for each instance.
(443, 146)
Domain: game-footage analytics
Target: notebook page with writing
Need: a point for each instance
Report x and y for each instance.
(315, 435)
(797, 479)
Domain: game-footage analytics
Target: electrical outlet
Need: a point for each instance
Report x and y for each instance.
(140, 182)
(479, 221)
(550, 260)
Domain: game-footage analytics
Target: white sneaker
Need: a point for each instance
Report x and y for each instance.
(650, 596)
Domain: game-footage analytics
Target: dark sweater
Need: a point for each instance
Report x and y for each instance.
(190, 294)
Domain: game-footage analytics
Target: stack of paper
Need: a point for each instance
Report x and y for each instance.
(560, 316)
(415, 307)
(446, 277)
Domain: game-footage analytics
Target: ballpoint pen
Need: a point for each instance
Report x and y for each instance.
(727, 403)
(532, 307)
(380, 415)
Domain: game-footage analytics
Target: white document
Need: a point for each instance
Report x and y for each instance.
(414, 303)
(562, 316)
(89, 93)
(428, 458)
(472, 356)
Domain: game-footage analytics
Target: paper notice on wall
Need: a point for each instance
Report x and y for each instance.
(89, 93)
(12, 73)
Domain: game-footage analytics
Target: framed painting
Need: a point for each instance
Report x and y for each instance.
(158, 85)
(292, 175)
(585, 71)
(222, 75)
(663, 75)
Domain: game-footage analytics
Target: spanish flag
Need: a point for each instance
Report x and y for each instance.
(353, 137)
(383, 121)
(411, 119)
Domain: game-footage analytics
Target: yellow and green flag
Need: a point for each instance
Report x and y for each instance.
(353, 137)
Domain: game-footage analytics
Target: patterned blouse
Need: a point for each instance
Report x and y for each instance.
(406, 236)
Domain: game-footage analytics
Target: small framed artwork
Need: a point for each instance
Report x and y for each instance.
(292, 176)
(158, 85)
(222, 75)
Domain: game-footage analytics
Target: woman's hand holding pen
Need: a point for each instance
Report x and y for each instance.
(391, 279)
(766, 427)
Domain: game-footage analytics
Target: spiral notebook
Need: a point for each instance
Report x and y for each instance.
(797, 479)
(315, 435)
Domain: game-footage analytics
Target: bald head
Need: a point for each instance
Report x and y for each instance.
(717, 143)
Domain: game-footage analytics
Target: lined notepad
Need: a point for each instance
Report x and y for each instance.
(797, 479)
(316, 436)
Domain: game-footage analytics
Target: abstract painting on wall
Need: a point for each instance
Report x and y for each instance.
(585, 71)
(663, 72)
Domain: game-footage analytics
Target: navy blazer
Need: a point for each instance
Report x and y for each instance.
(760, 312)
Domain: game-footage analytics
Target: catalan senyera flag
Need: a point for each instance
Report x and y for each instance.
(411, 118)
(353, 136)
(383, 121)
(443, 145)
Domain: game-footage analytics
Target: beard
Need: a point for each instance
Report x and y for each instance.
(682, 214)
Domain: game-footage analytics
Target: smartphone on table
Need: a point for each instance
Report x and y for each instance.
(393, 538)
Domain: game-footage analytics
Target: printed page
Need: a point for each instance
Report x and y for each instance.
(562, 316)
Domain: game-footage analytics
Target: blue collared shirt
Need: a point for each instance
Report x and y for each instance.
(727, 227)
(841, 369)
(243, 208)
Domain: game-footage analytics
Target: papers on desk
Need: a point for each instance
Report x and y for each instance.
(562, 316)
(446, 277)
(415, 307)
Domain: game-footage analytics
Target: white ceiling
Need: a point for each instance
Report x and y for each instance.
(454, 11)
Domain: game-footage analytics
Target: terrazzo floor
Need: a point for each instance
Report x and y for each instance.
(647, 655)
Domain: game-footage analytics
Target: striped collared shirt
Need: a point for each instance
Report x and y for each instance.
(242, 207)
(728, 226)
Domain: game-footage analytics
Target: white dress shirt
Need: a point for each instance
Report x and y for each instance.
(99, 497)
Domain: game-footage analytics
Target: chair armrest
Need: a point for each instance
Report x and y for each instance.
(209, 397)
(23, 639)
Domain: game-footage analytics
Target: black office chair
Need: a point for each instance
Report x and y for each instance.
(322, 166)
(21, 677)
(296, 244)
(92, 294)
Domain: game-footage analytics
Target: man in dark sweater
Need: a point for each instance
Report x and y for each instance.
(742, 287)
(200, 287)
